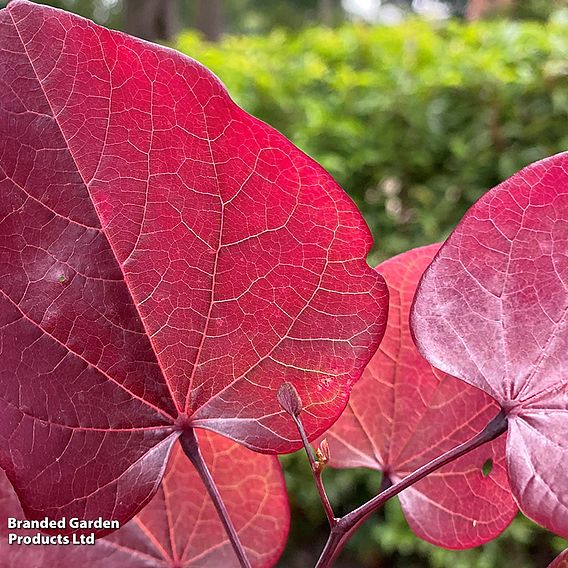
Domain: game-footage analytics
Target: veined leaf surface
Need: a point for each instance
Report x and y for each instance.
(166, 262)
(403, 413)
(492, 310)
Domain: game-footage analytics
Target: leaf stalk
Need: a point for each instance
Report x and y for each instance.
(191, 448)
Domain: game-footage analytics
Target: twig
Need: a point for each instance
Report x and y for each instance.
(290, 401)
(342, 531)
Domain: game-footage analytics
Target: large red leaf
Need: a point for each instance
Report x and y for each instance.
(180, 526)
(492, 310)
(166, 262)
(404, 413)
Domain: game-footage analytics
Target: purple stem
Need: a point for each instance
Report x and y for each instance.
(347, 525)
(316, 472)
(190, 446)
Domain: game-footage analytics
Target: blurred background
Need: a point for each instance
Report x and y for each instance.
(416, 108)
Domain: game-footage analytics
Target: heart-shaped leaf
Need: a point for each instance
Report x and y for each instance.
(179, 527)
(492, 309)
(404, 413)
(166, 263)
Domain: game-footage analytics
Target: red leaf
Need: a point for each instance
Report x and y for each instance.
(492, 310)
(403, 413)
(166, 262)
(561, 561)
(180, 526)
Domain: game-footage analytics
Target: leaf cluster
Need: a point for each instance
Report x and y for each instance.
(202, 273)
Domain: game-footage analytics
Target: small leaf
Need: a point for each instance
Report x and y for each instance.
(404, 413)
(492, 309)
(180, 526)
(323, 452)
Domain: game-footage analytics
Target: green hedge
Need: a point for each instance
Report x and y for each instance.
(414, 121)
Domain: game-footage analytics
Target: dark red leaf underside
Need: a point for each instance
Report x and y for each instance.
(166, 261)
(179, 527)
(492, 310)
(404, 413)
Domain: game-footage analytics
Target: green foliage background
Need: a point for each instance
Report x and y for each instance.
(415, 122)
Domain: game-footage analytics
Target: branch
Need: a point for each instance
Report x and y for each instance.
(190, 446)
(347, 525)
(290, 401)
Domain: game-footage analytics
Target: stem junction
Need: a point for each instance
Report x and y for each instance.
(345, 527)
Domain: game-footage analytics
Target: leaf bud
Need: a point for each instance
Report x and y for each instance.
(289, 399)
